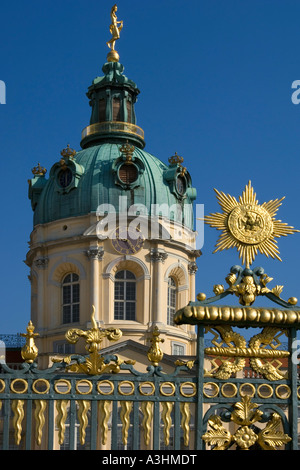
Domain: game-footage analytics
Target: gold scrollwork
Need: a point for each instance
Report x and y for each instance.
(257, 352)
(228, 336)
(268, 336)
(95, 363)
(245, 414)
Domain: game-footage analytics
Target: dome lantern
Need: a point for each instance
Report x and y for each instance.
(112, 98)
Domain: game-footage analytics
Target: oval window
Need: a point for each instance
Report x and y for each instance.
(180, 185)
(65, 177)
(128, 173)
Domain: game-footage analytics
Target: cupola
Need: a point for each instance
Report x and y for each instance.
(112, 98)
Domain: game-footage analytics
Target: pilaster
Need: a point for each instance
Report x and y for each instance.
(157, 257)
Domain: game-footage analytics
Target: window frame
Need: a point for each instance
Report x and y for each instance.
(129, 296)
(72, 316)
(171, 308)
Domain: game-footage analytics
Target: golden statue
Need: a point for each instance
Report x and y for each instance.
(114, 29)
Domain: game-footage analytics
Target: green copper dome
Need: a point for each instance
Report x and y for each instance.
(111, 164)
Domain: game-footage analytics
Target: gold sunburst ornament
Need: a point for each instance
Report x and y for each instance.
(248, 226)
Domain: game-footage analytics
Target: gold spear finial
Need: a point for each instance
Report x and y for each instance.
(115, 29)
(29, 351)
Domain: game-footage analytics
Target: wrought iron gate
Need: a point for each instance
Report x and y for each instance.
(96, 401)
(238, 393)
(249, 387)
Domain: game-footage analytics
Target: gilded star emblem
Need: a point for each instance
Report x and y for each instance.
(248, 226)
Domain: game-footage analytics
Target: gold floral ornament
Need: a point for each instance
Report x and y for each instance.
(245, 414)
(29, 351)
(251, 284)
(248, 226)
(95, 363)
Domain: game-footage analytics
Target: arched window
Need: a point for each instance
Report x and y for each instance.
(171, 305)
(116, 109)
(129, 108)
(70, 298)
(125, 295)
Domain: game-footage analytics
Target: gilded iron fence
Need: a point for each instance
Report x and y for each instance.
(96, 401)
(108, 413)
(241, 391)
(249, 386)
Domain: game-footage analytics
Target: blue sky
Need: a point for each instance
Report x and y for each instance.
(215, 79)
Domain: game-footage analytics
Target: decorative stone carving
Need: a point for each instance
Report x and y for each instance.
(192, 267)
(96, 253)
(41, 262)
(158, 255)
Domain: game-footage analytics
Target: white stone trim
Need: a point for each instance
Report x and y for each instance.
(177, 267)
(64, 265)
(121, 259)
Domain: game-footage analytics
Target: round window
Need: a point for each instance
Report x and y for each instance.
(180, 185)
(128, 173)
(65, 177)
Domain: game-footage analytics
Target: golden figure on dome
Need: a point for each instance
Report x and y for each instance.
(115, 29)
